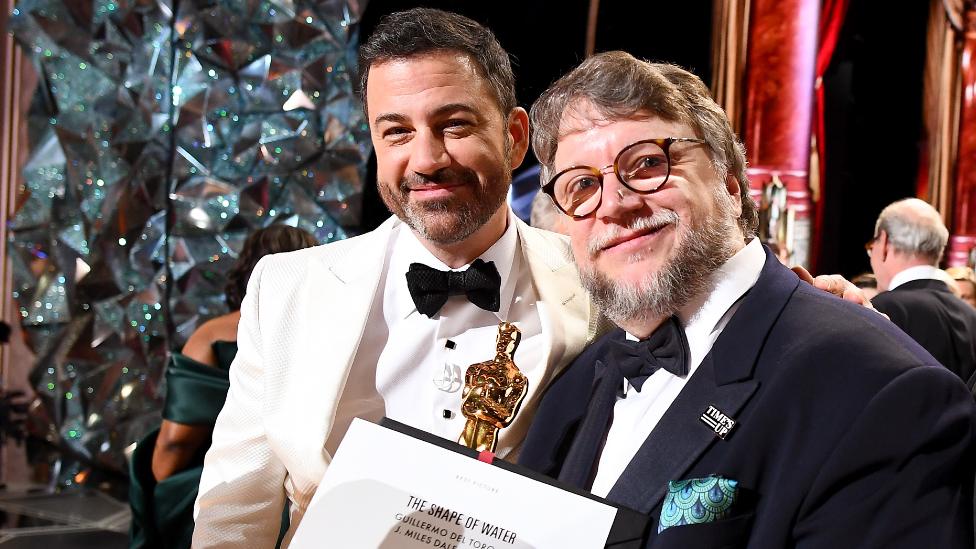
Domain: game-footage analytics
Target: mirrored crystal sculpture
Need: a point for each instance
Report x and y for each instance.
(162, 132)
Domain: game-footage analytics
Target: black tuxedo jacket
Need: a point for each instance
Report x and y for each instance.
(940, 322)
(848, 433)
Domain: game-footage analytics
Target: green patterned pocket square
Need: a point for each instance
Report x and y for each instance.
(697, 501)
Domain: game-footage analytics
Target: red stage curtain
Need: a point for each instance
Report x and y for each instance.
(831, 21)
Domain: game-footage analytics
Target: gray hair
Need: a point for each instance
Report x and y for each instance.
(419, 31)
(915, 228)
(620, 87)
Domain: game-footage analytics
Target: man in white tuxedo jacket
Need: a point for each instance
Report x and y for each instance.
(332, 333)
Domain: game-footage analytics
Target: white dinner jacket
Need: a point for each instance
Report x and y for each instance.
(301, 322)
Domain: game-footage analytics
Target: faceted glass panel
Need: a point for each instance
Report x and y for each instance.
(161, 134)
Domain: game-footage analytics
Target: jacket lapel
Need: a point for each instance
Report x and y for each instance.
(581, 459)
(569, 314)
(354, 278)
(723, 380)
(679, 439)
(315, 347)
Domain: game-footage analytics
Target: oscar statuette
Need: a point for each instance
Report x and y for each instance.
(493, 391)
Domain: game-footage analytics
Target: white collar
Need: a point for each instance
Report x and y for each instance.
(730, 282)
(407, 249)
(919, 272)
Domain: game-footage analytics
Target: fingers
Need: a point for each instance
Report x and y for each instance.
(855, 294)
(803, 274)
(834, 284)
(842, 288)
(837, 285)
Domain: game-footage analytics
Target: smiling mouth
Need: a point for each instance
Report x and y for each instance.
(632, 236)
(434, 187)
(634, 232)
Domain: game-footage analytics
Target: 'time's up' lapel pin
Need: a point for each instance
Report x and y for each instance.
(718, 422)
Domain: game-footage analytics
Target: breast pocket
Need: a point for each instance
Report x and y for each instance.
(727, 533)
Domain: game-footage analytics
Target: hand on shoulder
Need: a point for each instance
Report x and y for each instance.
(837, 285)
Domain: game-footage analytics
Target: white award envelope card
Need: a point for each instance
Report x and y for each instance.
(388, 490)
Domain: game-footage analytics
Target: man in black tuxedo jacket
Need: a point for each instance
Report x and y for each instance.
(909, 238)
(735, 405)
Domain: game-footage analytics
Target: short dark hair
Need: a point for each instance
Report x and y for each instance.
(269, 240)
(420, 31)
(621, 86)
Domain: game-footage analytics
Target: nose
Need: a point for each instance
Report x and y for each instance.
(428, 154)
(617, 201)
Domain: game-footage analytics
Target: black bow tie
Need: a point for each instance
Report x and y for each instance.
(666, 348)
(431, 287)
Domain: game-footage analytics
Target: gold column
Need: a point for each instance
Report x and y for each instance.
(764, 55)
(941, 103)
(960, 123)
(778, 98)
(730, 41)
(17, 82)
(11, 62)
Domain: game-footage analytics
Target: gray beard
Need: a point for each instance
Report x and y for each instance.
(686, 274)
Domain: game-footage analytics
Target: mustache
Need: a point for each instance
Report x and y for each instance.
(658, 220)
(452, 175)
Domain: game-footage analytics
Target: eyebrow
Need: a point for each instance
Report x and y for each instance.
(390, 117)
(397, 118)
(455, 107)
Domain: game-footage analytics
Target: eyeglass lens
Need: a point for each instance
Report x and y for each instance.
(641, 167)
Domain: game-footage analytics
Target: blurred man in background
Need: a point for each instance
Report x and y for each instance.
(909, 238)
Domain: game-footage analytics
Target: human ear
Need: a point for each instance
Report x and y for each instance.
(518, 133)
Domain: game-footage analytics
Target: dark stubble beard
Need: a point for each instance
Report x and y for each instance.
(450, 220)
(705, 246)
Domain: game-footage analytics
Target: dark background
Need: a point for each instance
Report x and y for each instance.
(873, 122)
(873, 89)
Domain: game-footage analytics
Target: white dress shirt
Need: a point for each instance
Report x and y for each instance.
(410, 367)
(919, 272)
(638, 412)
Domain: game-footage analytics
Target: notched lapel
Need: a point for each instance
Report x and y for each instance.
(357, 275)
(585, 450)
(338, 299)
(679, 439)
(569, 316)
(561, 412)
(743, 338)
(366, 258)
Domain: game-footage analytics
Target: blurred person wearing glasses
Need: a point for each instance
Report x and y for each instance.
(909, 238)
(736, 406)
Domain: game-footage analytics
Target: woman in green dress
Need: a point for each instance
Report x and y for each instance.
(166, 464)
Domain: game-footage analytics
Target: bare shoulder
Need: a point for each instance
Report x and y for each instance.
(223, 328)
